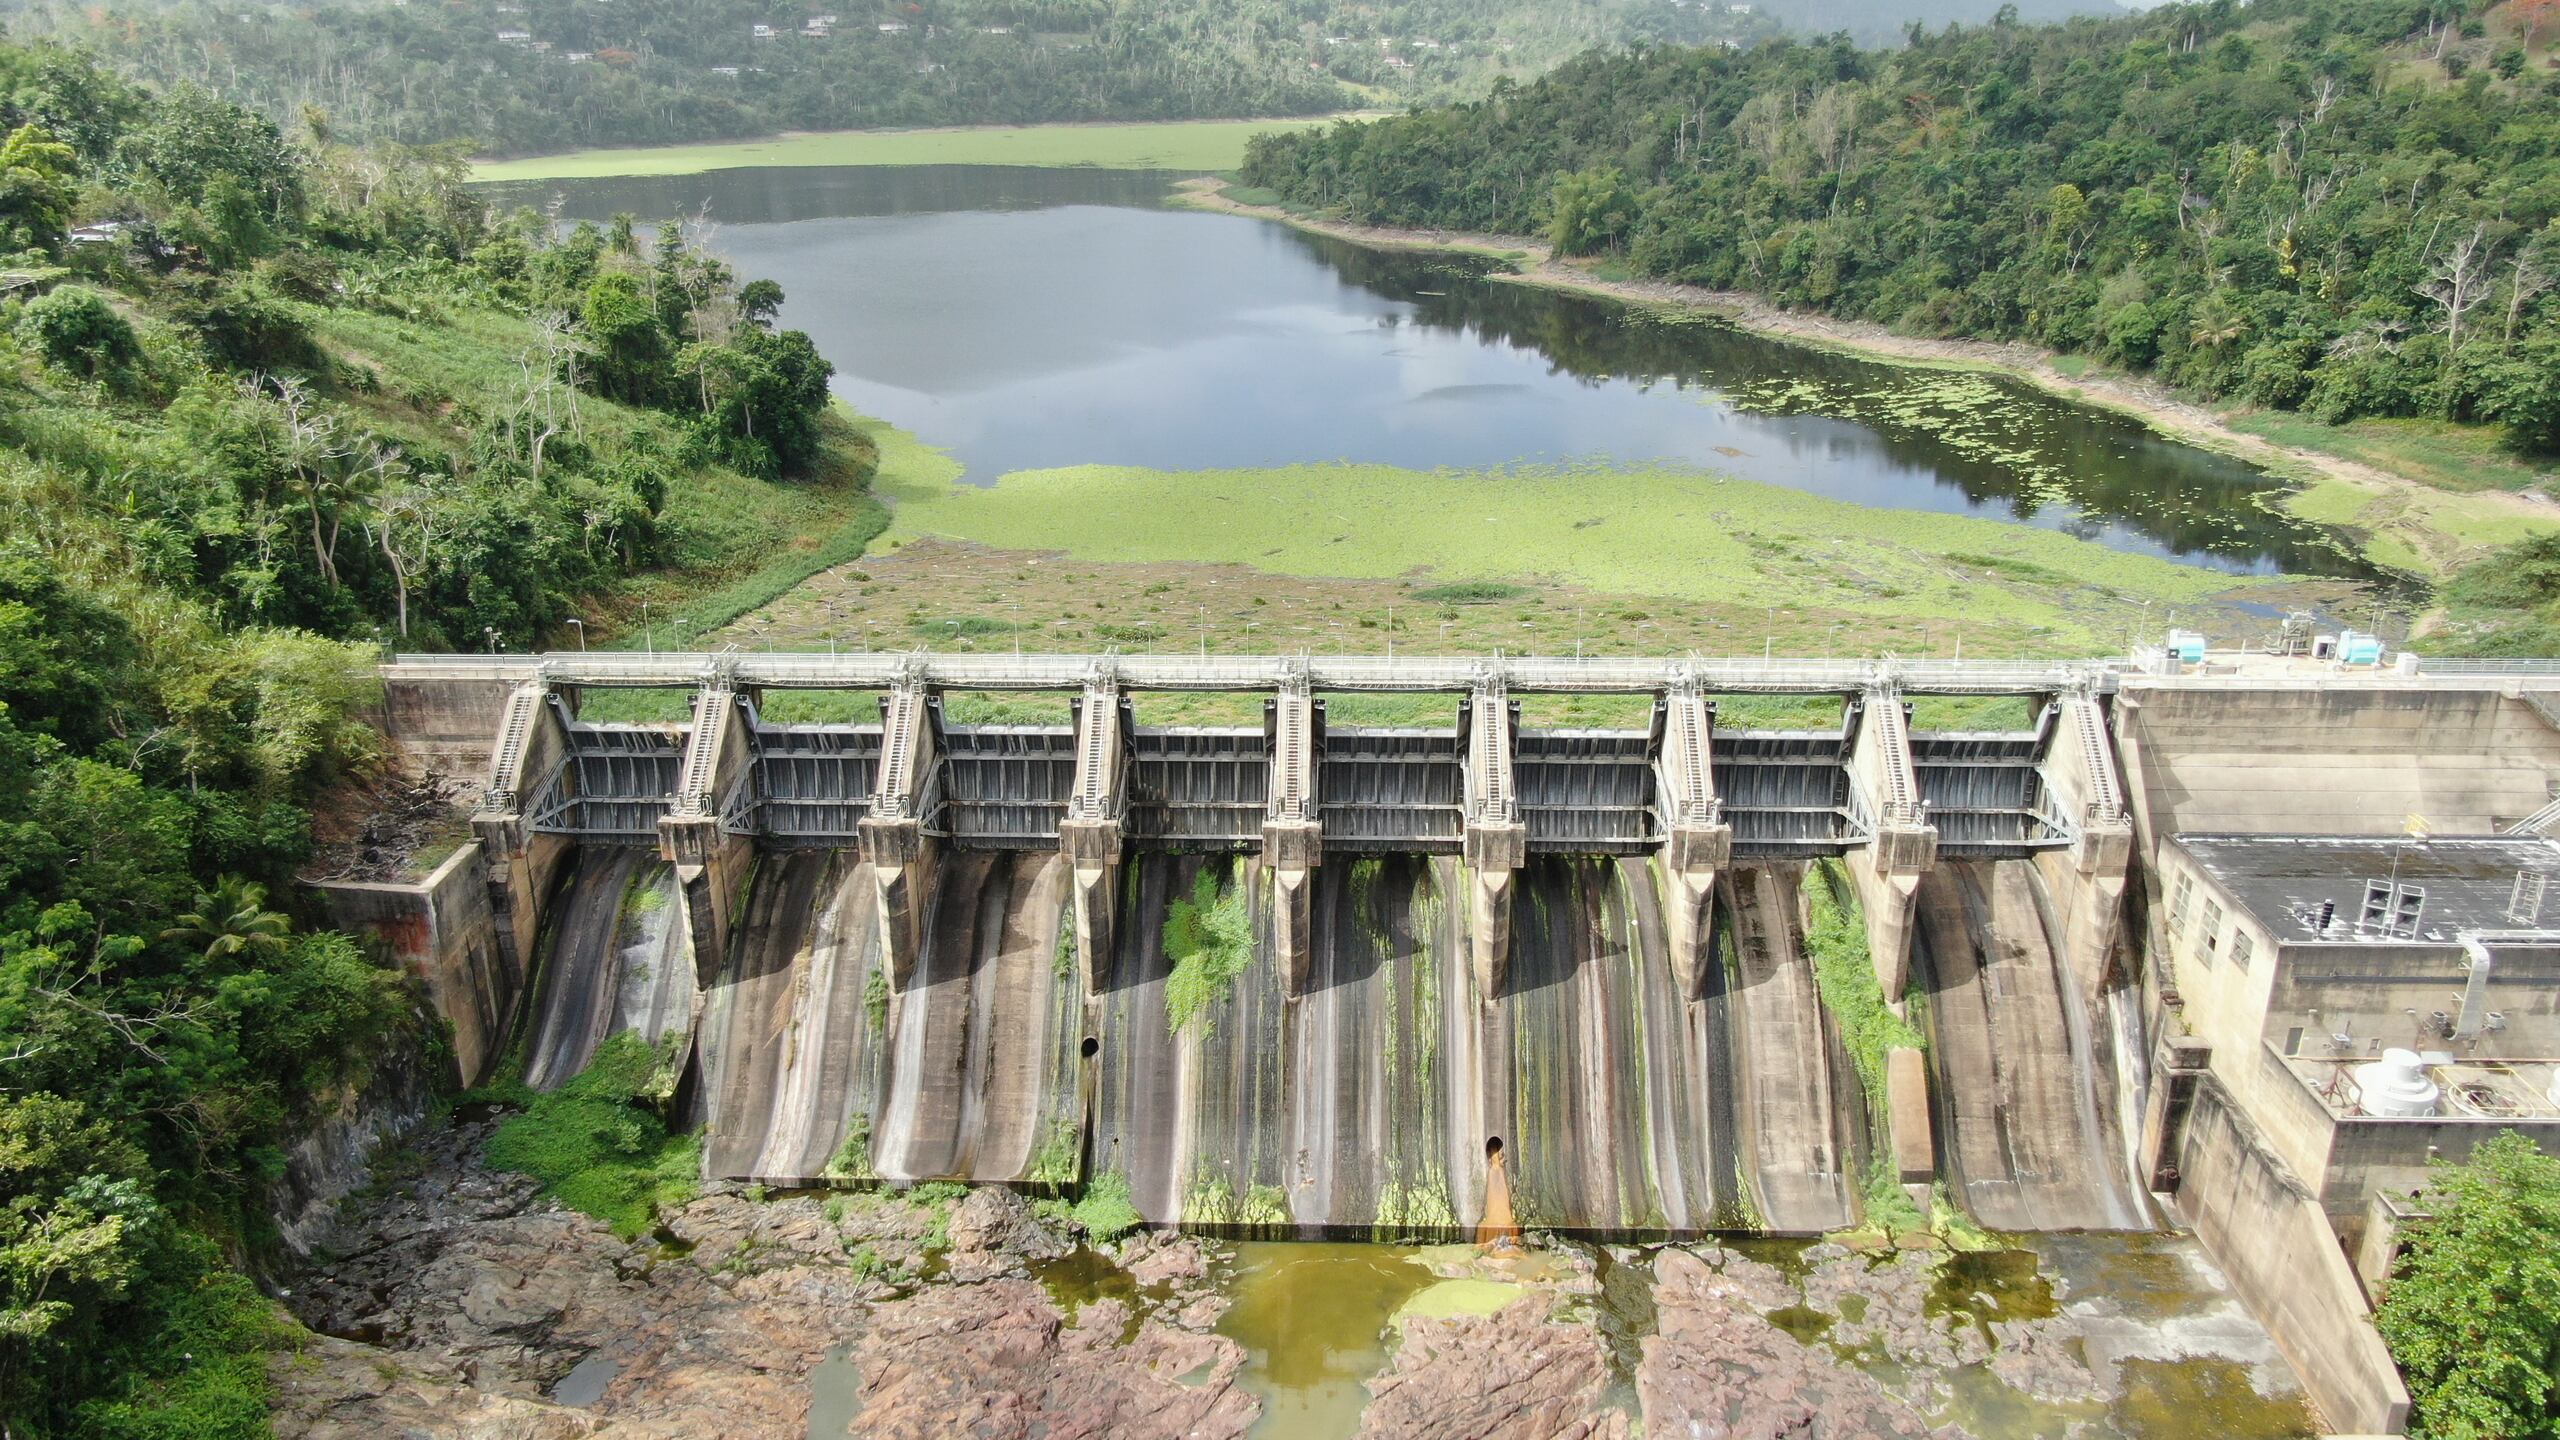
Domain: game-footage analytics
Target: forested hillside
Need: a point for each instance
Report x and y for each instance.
(262, 405)
(2339, 206)
(519, 75)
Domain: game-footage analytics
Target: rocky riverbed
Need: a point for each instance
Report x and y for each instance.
(461, 1303)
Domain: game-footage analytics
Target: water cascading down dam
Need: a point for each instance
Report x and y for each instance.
(1313, 978)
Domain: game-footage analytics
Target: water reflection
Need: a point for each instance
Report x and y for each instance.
(1032, 318)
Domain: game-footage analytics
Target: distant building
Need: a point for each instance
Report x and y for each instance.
(893, 27)
(578, 57)
(1425, 44)
(817, 29)
(515, 37)
(1398, 62)
(995, 29)
(763, 32)
(729, 70)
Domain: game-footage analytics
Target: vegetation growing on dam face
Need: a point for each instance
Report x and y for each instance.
(2473, 1311)
(2198, 191)
(600, 1144)
(1844, 973)
(1208, 935)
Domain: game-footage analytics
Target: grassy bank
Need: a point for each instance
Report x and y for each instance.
(1676, 535)
(1192, 145)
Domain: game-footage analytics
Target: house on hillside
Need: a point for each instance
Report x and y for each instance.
(893, 27)
(730, 71)
(764, 32)
(515, 37)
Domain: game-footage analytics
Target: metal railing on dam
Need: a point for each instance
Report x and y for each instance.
(1794, 793)
(1560, 675)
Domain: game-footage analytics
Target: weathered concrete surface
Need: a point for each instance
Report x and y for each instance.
(789, 1048)
(982, 1039)
(1785, 1098)
(712, 865)
(618, 957)
(443, 932)
(2087, 880)
(2025, 1142)
(1915, 1155)
(2338, 758)
(2268, 1230)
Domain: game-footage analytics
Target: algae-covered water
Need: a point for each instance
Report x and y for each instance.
(1027, 319)
(2133, 1336)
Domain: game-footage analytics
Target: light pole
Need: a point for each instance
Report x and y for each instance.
(582, 633)
(648, 633)
(490, 634)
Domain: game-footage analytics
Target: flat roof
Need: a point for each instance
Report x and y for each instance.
(2469, 880)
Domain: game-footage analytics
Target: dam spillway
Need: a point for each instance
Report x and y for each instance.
(918, 949)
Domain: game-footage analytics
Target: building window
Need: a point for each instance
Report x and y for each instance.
(2242, 948)
(2178, 901)
(2212, 937)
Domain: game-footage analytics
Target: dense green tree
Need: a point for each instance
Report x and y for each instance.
(204, 514)
(2286, 201)
(653, 71)
(628, 339)
(75, 328)
(36, 189)
(2473, 1311)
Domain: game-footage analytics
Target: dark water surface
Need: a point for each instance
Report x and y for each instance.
(1031, 318)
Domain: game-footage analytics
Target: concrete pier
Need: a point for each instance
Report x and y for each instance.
(1698, 843)
(1901, 843)
(894, 837)
(522, 860)
(1292, 836)
(1496, 842)
(1090, 836)
(702, 834)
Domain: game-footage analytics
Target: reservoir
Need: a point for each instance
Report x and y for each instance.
(1024, 319)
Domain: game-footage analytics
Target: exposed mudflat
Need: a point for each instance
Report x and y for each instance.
(460, 1304)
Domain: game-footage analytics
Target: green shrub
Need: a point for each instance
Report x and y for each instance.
(1105, 1212)
(75, 328)
(1471, 592)
(1209, 938)
(1843, 971)
(2473, 1312)
(598, 1145)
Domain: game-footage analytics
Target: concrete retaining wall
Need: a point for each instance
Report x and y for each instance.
(2268, 1232)
(443, 931)
(2333, 759)
(446, 723)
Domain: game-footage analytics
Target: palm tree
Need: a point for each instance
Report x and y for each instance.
(232, 919)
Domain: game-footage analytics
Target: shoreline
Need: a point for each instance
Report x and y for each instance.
(2147, 401)
(803, 149)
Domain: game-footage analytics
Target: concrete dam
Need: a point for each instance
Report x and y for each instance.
(915, 949)
(2241, 945)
